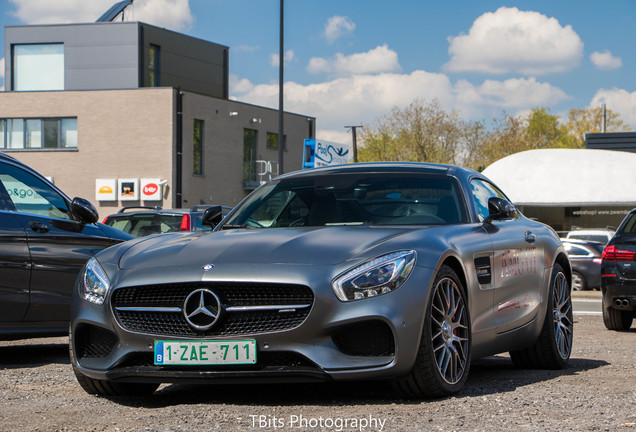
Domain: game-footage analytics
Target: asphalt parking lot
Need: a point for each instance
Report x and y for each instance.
(597, 392)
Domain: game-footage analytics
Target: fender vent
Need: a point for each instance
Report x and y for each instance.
(483, 269)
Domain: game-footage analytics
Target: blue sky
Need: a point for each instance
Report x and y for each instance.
(350, 61)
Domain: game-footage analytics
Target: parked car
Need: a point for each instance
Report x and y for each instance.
(585, 259)
(398, 271)
(618, 276)
(45, 239)
(601, 235)
(143, 221)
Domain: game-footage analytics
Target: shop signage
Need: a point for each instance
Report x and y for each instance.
(151, 189)
(106, 190)
(128, 189)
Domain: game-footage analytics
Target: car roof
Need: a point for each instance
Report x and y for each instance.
(581, 242)
(379, 167)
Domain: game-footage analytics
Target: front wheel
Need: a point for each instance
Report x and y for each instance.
(443, 359)
(553, 347)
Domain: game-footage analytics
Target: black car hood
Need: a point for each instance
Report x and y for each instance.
(306, 246)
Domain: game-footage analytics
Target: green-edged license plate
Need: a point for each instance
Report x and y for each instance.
(205, 352)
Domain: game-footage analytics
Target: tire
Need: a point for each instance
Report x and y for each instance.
(108, 388)
(578, 282)
(553, 347)
(443, 358)
(615, 319)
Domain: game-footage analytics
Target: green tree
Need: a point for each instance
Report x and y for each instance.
(544, 130)
(423, 133)
(589, 120)
(506, 137)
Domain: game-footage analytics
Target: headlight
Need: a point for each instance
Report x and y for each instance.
(378, 276)
(95, 283)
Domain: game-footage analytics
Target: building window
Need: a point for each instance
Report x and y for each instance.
(272, 140)
(249, 157)
(197, 148)
(153, 66)
(69, 133)
(36, 134)
(38, 67)
(15, 133)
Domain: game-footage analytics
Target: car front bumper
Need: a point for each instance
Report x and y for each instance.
(372, 338)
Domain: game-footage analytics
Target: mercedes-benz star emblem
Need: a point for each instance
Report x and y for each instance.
(202, 309)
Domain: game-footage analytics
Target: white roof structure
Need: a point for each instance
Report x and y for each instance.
(554, 177)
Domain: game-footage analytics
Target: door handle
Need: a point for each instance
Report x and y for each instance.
(39, 227)
(529, 237)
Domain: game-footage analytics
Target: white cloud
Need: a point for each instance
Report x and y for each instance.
(240, 85)
(341, 137)
(173, 14)
(338, 26)
(378, 60)
(619, 101)
(510, 40)
(605, 60)
(360, 99)
(274, 59)
(511, 93)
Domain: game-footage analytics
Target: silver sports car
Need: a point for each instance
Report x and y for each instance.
(398, 271)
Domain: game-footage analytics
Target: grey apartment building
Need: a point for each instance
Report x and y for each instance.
(125, 113)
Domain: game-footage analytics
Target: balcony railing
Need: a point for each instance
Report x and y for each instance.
(256, 173)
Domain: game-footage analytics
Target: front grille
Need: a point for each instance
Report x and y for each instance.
(93, 342)
(141, 317)
(369, 339)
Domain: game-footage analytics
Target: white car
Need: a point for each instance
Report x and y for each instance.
(601, 235)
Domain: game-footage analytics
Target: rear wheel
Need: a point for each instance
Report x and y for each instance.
(553, 347)
(443, 360)
(578, 282)
(615, 319)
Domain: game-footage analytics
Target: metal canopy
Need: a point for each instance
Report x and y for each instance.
(115, 10)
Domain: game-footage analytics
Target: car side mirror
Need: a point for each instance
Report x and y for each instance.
(499, 209)
(84, 211)
(212, 216)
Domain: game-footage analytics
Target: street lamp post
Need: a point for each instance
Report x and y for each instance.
(355, 141)
(281, 63)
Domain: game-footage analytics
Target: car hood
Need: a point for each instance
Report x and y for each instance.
(306, 246)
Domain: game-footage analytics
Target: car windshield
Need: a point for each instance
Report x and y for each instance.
(353, 199)
(628, 227)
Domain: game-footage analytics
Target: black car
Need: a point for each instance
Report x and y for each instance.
(45, 239)
(585, 259)
(143, 221)
(618, 276)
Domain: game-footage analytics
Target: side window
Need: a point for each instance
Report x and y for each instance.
(482, 191)
(31, 195)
